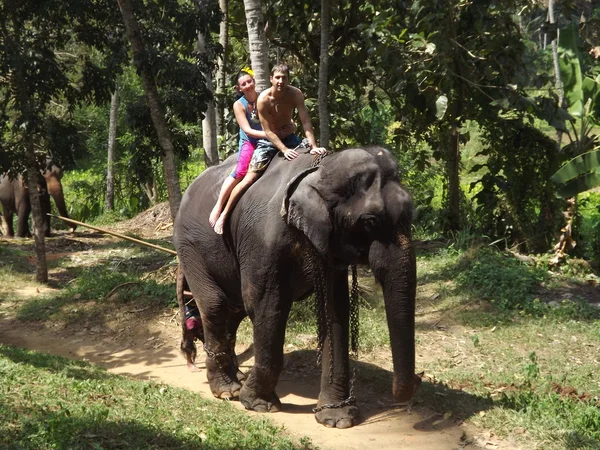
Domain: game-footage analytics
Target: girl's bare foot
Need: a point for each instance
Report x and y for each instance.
(214, 215)
(220, 223)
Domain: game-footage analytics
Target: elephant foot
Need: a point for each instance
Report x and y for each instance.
(251, 401)
(343, 417)
(225, 389)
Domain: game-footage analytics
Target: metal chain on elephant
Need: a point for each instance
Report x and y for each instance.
(325, 320)
(212, 355)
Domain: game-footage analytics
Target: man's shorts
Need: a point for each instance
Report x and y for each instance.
(265, 151)
(246, 152)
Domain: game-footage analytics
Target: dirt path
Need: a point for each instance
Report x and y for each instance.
(154, 356)
(144, 344)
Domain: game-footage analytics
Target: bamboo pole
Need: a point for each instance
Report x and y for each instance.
(122, 236)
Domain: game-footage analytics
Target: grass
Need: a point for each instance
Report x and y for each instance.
(507, 346)
(529, 368)
(51, 402)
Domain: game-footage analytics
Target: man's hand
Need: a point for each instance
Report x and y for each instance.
(290, 154)
(318, 151)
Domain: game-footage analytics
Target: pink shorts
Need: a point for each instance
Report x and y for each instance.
(245, 155)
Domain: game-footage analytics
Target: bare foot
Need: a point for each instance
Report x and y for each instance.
(214, 215)
(192, 367)
(219, 225)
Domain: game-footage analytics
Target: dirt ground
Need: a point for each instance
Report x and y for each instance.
(144, 343)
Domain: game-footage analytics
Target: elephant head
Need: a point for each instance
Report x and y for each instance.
(353, 210)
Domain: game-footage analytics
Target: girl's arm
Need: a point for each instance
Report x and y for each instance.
(240, 116)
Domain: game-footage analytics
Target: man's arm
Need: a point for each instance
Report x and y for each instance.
(307, 125)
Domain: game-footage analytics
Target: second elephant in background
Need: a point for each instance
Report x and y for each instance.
(53, 174)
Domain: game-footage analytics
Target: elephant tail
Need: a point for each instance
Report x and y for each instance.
(191, 322)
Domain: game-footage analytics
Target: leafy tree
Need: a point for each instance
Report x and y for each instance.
(39, 70)
(154, 104)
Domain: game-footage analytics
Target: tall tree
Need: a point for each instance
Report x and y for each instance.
(154, 105)
(324, 75)
(257, 42)
(112, 143)
(209, 124)
(222, 62)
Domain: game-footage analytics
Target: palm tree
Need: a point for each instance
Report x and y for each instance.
(257, 43)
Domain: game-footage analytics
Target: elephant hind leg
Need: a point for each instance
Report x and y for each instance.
(218, 324)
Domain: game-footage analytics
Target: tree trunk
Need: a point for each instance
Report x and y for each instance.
(222, 67)
(324, 75)
(112, 141)
(154, 105)
(33, 174)
(452, 172)
(257, 43)
(151, 191)
(209, 124)
(557, 81)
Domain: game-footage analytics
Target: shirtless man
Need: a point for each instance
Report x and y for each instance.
(276, 107)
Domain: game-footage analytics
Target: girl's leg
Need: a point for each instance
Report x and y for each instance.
(226, 189)
(240, 171)
(250, 178)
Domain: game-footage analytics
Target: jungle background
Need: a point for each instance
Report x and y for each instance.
(492, 109)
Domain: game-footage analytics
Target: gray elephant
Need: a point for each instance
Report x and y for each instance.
(53, 174)
(14, 198)
(296, 230)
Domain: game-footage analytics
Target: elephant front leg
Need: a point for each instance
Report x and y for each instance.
(336, 405)
(221, 372)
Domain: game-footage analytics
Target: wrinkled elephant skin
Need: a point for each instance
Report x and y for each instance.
(299, 227)
(14, 198)
(53, 174)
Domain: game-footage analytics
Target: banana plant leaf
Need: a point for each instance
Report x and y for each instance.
(581, 165)
(579, 185)
(570, 69)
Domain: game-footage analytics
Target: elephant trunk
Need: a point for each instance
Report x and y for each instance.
(397, 275)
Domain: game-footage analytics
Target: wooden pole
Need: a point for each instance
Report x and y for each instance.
(122, 236)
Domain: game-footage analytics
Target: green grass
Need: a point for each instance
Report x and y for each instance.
(500, 343)
(51, 402)
(505, 359)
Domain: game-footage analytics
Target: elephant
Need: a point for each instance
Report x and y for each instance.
(53, 174)
(303, 221)
(14, 197)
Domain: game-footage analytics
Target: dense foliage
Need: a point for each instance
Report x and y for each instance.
(417, 77)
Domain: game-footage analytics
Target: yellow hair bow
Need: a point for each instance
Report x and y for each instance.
(248, 70)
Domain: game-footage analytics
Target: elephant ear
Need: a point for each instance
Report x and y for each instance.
(304, 208)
